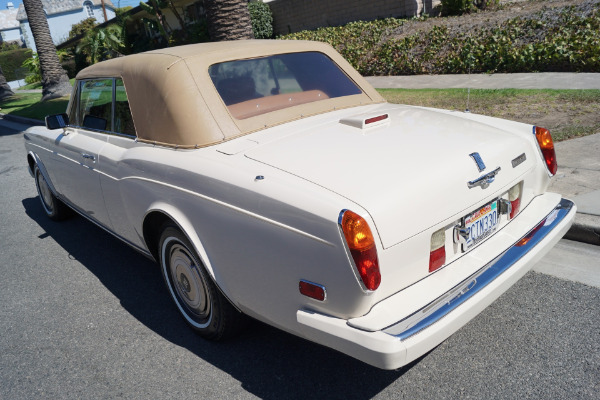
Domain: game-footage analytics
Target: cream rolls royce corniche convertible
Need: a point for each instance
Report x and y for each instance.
(269, 179)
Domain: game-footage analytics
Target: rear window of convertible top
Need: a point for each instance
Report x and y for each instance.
(257, 86)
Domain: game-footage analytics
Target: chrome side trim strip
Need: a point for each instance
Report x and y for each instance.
(232, 207)
(462, 292)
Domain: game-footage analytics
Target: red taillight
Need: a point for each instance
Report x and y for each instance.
(362, 248)
(544, 139)
(437, 254)
(312, 290)
(514, 196)
(514, 207)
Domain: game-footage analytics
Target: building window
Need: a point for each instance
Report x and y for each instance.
(88, 9)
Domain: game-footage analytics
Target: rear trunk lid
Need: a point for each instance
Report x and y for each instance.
(409, 170)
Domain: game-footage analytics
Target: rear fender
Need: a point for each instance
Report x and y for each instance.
(188, 230)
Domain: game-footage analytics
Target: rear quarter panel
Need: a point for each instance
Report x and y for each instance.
(258, 238)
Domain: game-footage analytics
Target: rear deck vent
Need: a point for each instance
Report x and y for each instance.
(366, 121)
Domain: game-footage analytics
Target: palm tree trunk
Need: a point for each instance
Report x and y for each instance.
(5, 90)
(228, 20)
(55, 82)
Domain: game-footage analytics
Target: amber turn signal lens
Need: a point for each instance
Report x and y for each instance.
(546, 144)
(362, 248)
(357, 232)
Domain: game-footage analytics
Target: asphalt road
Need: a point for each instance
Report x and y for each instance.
(84, 316)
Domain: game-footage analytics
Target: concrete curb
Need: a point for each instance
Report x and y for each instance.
(585, 228)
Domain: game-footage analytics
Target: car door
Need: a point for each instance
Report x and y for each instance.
(117, 169)
(78, 148)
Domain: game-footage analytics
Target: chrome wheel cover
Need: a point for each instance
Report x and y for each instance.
(44, 192)
(186, 283)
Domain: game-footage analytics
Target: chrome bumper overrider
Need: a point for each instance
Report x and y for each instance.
(444, 304)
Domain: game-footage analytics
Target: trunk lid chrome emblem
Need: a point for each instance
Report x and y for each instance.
(518, 160)
(477, 158)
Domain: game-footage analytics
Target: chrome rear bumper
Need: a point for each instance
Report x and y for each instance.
(462, 292)
(398, 344)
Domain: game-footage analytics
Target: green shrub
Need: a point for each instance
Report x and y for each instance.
(456, 7)
(566, 40)
(262, 19)
(81, 28)
(31, 79)
(484, 4)
(459, 7)
(33, 65)
(11, 61)
(357, 41)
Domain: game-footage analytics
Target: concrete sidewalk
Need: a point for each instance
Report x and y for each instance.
(543, 80)
(578, 176)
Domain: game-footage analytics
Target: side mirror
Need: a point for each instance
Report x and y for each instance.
(57, 121)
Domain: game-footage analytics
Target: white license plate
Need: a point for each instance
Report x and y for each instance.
(481, 224)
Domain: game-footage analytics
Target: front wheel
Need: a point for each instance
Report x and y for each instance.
(197, 297)
(54, 208)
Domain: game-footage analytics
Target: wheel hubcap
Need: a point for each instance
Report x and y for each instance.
(45, 193)
(188, 283)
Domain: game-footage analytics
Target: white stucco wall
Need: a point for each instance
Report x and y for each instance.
(11, 34)
(60, 24)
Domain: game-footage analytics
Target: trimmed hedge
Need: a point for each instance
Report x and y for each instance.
(458, 7)
(262, 19)
(11, 61)
(562, 40)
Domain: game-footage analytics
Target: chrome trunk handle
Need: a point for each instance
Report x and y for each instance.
(485, 180)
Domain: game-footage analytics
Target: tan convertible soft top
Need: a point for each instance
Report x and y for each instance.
(174, 102)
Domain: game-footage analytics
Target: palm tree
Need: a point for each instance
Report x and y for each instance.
(55, 82)
(5, 90)
(228, 20)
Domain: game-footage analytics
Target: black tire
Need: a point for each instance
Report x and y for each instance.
(196, 296)
(53, 207)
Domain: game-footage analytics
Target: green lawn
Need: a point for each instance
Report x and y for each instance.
(567, 113)
(29, 105)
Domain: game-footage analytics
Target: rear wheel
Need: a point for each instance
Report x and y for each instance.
(195, 294)
(54, 208)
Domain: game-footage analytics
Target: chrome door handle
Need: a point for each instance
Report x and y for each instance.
(88, 156)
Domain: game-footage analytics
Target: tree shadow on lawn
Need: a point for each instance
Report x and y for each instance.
(36, 110)
(268, 362)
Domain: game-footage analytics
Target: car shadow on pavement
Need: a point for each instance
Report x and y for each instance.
(268, 362)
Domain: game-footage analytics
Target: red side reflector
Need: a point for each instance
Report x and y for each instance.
(376, 119)
(437, 258)
(312, 290)
(547, 146)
